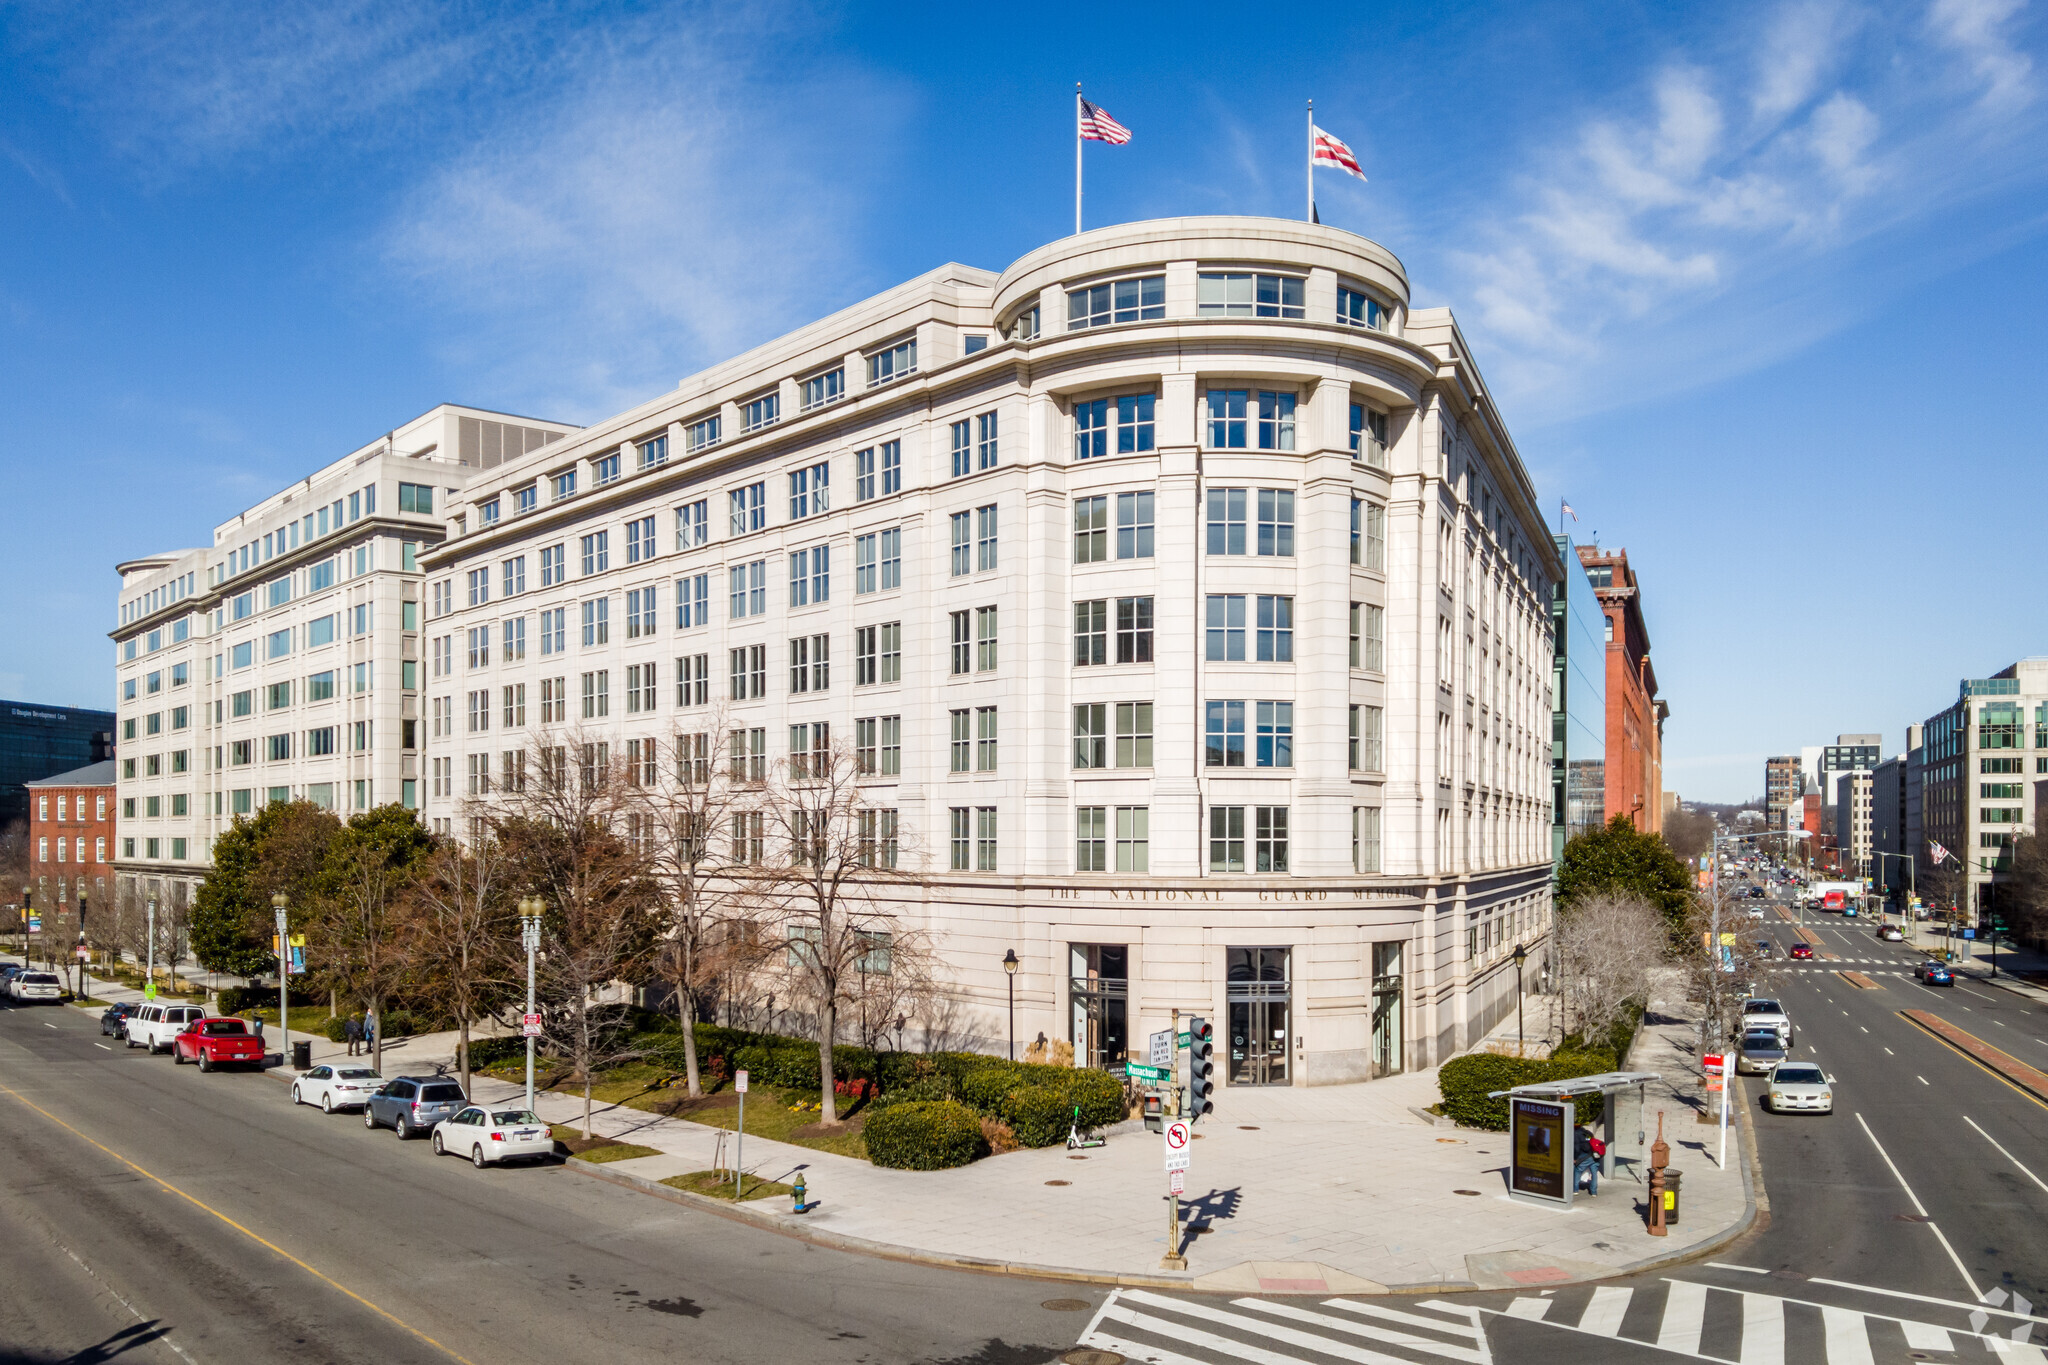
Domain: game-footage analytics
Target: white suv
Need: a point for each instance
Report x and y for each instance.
(154, 1026)
(26, 987)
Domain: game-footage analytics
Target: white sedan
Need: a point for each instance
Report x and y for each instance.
(489, 1135)
(336, 1087)
(1799, 1087)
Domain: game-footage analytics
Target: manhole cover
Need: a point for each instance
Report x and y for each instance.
(1059, 1182)
(1247, 1127)
(1460, 1142)
(1088, 1355)
(1473, 1193)
(1071, 1157)
(1196, 1136)
(1066, 1305)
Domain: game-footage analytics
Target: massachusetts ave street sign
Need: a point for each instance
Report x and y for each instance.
(1138, 1071)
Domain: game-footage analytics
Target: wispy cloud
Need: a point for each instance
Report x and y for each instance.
(661, 203)
(1640, 251)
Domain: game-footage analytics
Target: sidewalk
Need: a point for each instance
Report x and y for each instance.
(1978, 966)
(1338, 1189)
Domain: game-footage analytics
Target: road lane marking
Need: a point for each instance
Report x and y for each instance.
(1685, 1309)
(1921, 1079)
(1745, 1269)
(1848, 1339)
(2007, 1155)
(1863, 1027)
(1604, 1313)
(1919, 1207)
(257, 1238)
(103, 1047)
(164, 1334)
(1924, 1298)
(1763, 1330)
(1889, 1053)
(49, 1025)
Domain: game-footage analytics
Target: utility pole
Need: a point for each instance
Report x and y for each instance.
(284, 981)
(530, 909)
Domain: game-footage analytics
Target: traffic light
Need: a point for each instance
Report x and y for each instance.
(1201, 1068)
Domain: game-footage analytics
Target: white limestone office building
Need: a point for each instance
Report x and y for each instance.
(281, 661)
(1183, 586)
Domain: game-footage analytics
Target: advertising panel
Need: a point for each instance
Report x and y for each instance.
(1542, 1161)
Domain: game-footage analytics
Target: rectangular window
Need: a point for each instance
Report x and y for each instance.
(512, 640)
(1091, 530)
(277, 749)
(640, 683)
(864, 475)
(1134, 630)
(693, 601)
(1276, 421)
(1369, 535)
(984, 739)
(821, 389)
(985, 839)
(597, 700)
(984, 639)
(984, 539)
(1365, 738)
(1135, 300)
(1276, 521)
(278, 696)
(513, 576)
(605, 470)
(962, 837)
(479, 646)
(810, 491)
(886, 367)
(1276, 734)
(1365, 838)
(487, 513)
(513, 698)
(1269, 838)
(1226, 520)
(700, 434)
(553, 565)
(810, 751)
(597, 556)
(553, 627)
(693, 524)
(525, 500)
(640, 540)
(749, 589)
(961, 752)
(1133, 839)
(985, 448)
(749, 672)
(1227, 418)
(241, 704)
(653, 451)
(810, 663)
(416, 497)
(749, 508)
(1225, 627)
(1276, 630)
(1134, 734)
(1091, 735)
(1223, 730)
(181, 717)
(962, 433)
(1134, 525)
(279, 644)
(810, 576)
(962, 526)
(963, 642)
(480, 711)
(597, 628)
(1360, 310)
(1091, 428)
(1091, 839)
(761, 412)
(1249, 296)
(878, 746)
(864, 568)
(1368, 436)
(280, 593)
(320, 742)
(693, 680)
(320, 576)
(1091, 632)
(1226, 838)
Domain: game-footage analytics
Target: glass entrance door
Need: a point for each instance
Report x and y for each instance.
(1258, 997)
(1101, 995)
(1386, 1009)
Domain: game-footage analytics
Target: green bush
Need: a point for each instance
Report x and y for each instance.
(493, 1051)
(922, 1090)
(929, 1136)
(336, 1029)
(1465, 1082)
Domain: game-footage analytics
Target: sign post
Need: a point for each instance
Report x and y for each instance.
(1178, 1140)
(1540, 1168)
(739, 1167)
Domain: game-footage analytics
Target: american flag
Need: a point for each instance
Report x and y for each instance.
(1938, 851)
(1331, 151)
(1098, 126)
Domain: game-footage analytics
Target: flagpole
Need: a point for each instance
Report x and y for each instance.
(1311, 161)
(1077, 158)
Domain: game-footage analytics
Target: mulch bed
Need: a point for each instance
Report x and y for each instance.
(841, 1129)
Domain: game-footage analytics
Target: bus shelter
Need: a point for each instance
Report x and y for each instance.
(1541, 1118)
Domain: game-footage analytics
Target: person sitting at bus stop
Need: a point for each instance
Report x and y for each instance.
(1586, 1153)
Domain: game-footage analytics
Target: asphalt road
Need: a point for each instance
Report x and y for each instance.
(149, 1213)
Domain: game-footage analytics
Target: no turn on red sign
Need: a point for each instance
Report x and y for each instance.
(1178, 1140)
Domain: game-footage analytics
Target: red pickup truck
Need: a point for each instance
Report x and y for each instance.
(217, 1042)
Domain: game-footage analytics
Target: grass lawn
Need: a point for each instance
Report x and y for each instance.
(616, 1151)
(718, 1185)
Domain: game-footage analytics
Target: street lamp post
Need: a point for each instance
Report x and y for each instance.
(149, 967)
(530, 909)
(1520, 953)
(1010, 965)
(28, 910)
(80, 952)
(284, 981)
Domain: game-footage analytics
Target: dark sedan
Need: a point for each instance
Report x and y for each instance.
(1932, 973)
(114, 1018)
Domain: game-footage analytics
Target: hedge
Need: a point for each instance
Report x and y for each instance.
(925, 1136)
(1465, 1082)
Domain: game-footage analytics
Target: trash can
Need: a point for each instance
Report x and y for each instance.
(302, 1055)
(1672, 1180)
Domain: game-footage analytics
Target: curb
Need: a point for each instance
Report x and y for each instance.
(1755, 1204)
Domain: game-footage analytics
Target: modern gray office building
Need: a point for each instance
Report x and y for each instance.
(1578, 701)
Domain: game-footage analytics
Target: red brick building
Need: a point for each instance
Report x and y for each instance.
(71, 823)
(1635, 715)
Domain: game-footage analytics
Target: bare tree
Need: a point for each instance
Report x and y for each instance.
(2024, 895)
(1724, 963)
(566, 834)
(461, 926)
(358, 922)
(838, 871)
(1608, 944)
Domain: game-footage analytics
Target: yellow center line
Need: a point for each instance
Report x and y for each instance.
(1975, 1061)
(257, 1238)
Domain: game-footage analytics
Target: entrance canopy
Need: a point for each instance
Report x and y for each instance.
(1606, 1083)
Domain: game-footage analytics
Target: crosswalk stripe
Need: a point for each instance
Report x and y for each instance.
(1925, 1336)
(1685, 1309)
(2016, 1352)
(1131, 1350)
(1385, 1334)
(1187, 1336)
(1531, 1310)
(1467, 1326)
(1848, 1338)
(1763, 1330)
(1321, 1345)
(1603, 1315)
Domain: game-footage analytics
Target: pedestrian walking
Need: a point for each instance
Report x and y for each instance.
(369, 1030)
(352, 1031)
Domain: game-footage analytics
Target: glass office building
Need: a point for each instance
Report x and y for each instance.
(1578, 722)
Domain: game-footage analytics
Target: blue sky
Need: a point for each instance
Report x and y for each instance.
(1759, 288)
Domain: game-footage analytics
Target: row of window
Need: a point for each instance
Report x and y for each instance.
(68, 846)
(342, 512)
(64, 805)
(152, 641)
(1218, 294)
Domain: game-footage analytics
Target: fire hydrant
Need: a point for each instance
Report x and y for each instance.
(796, 1195)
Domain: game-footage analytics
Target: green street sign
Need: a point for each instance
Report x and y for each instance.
(1180, 1040)
(1138, 1071)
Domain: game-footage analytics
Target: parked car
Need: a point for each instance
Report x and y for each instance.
(1799, 1087)
(1763, 1013)
(154, 1025)
(1760, 1051)
(336, 1087)
(1932, 973)
(411, 1105)
(7, 971)
(114, 1018)
(1801, 951)
(34, 988)
(217, 1042)
(490, 1135)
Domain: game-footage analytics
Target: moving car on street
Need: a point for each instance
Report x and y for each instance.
(1932, 973)
(1891, 933)
(1761, 1050)
(1802, 952)
(336, 1087)
(411, 1105)
(217, 1042)
(1760, 1012)
(1799, 1087)
(491, 1135)
(34, 988)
